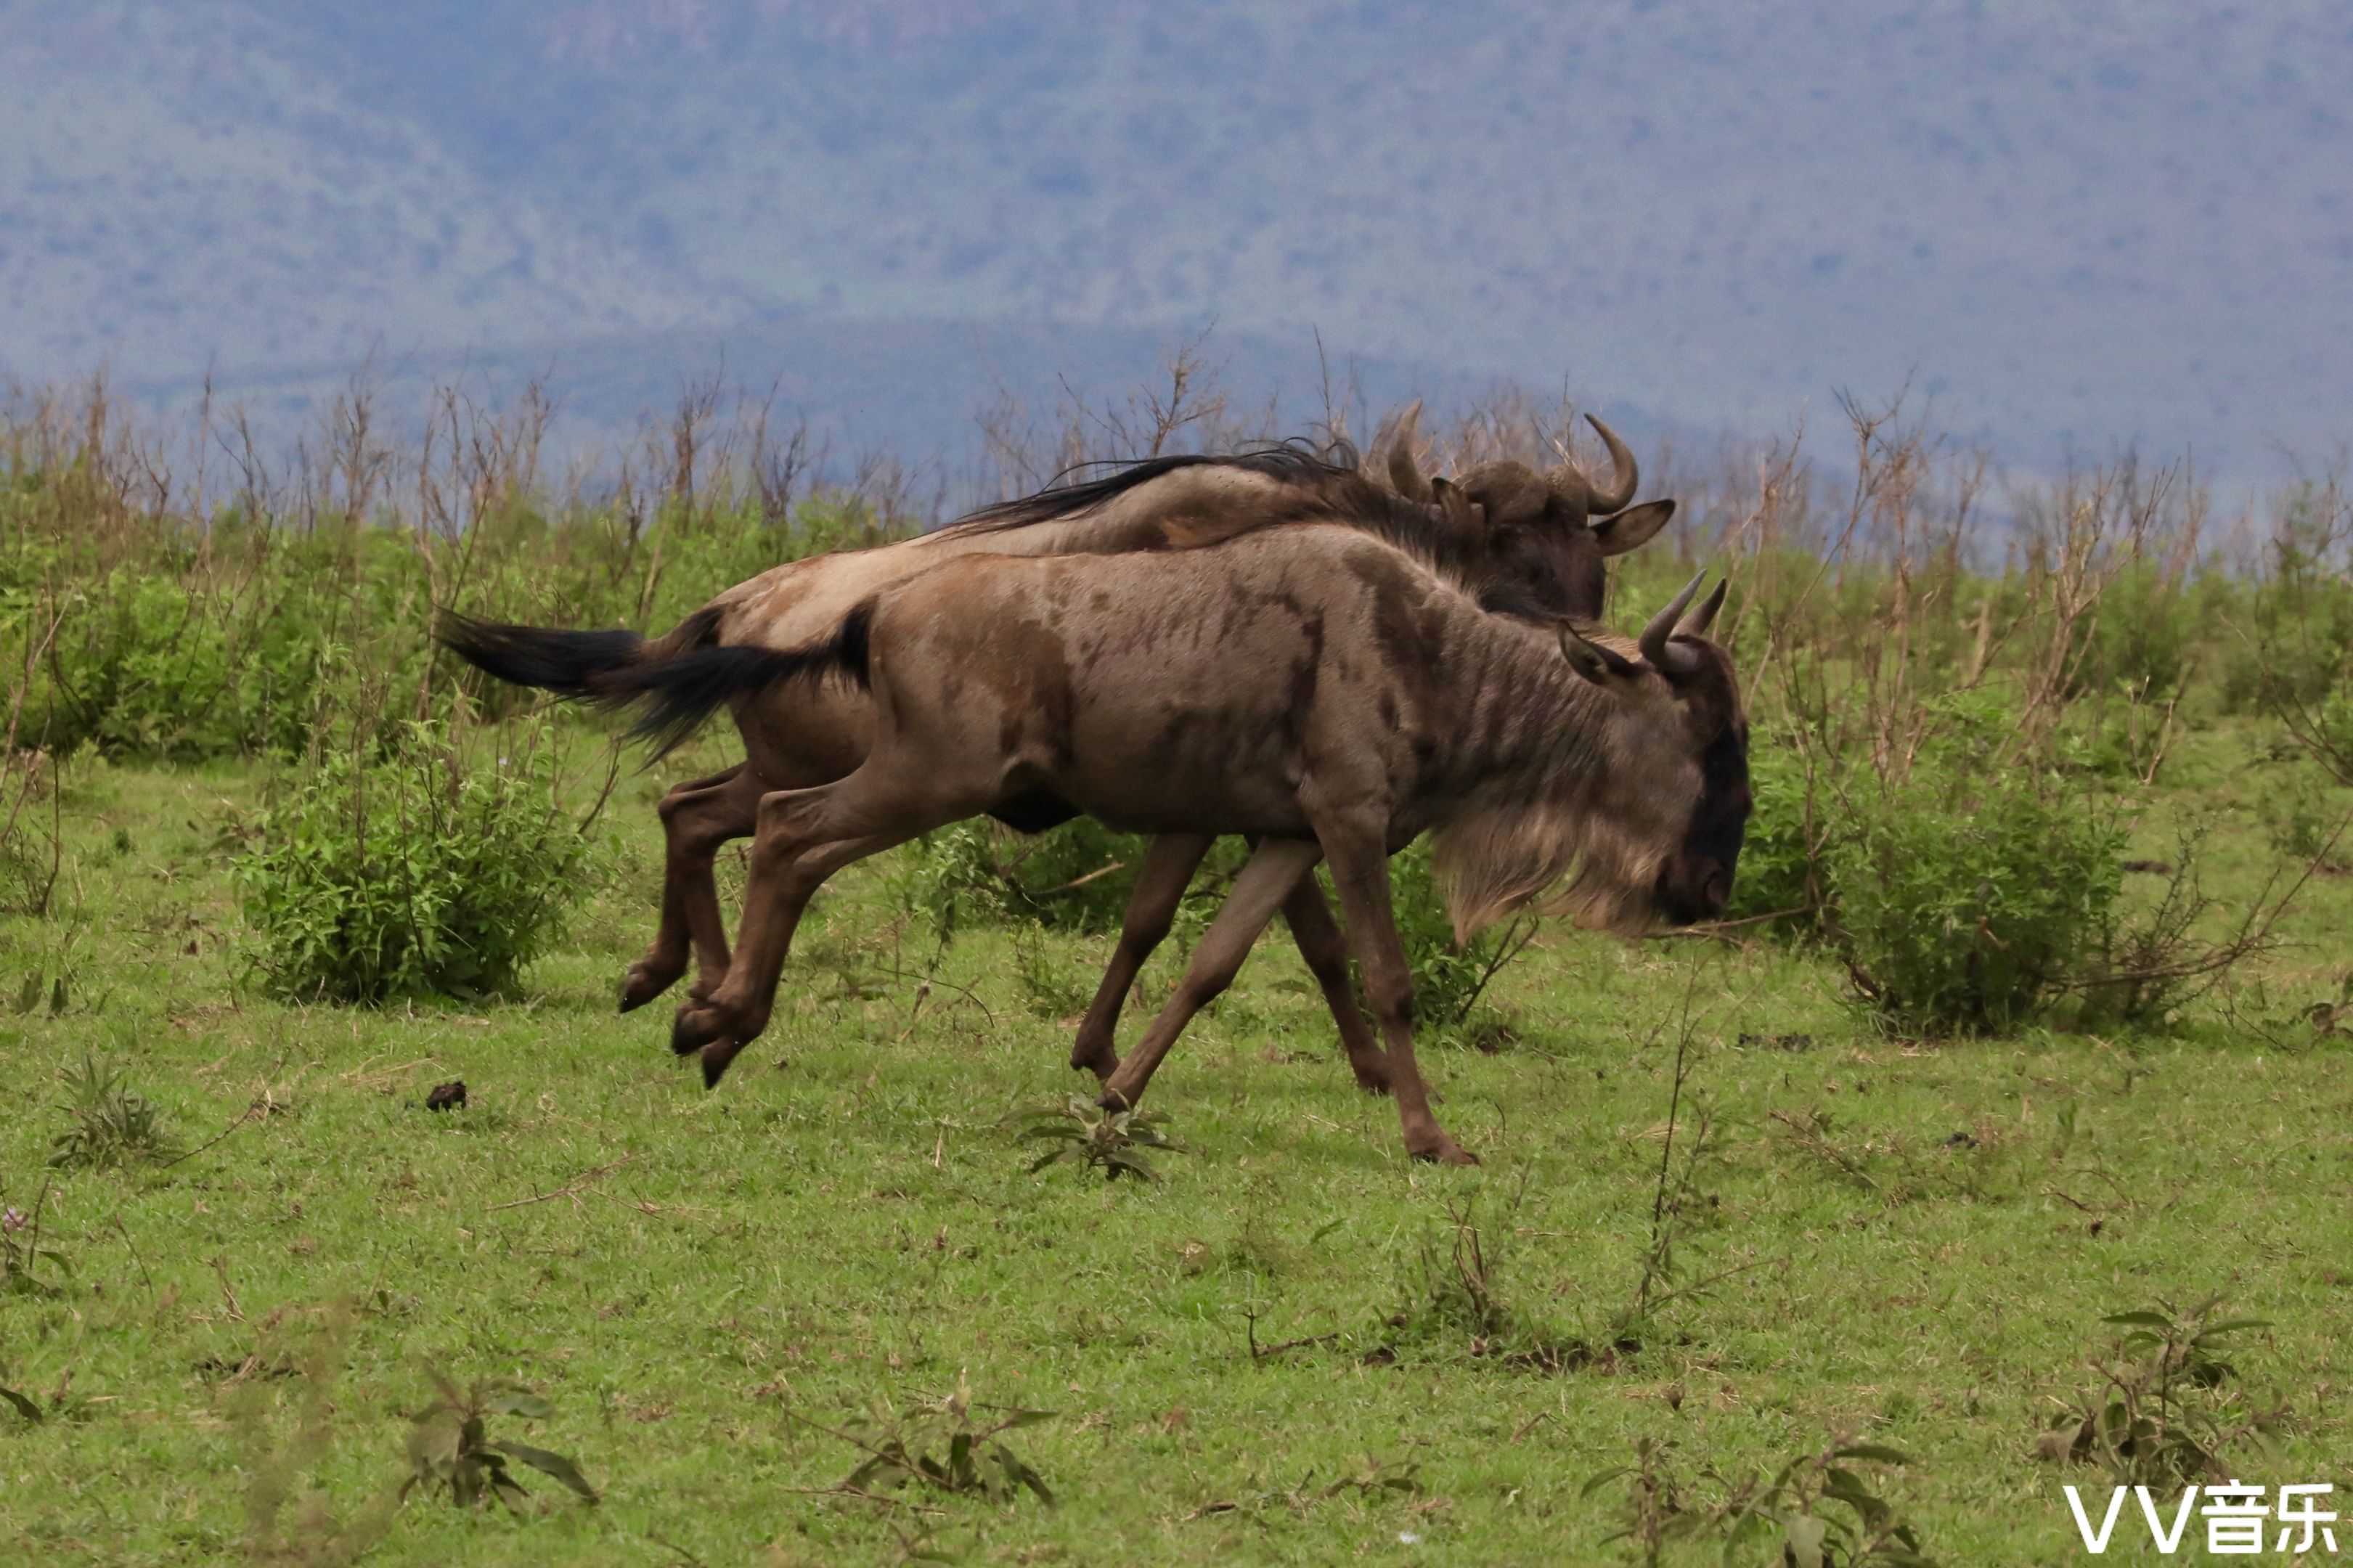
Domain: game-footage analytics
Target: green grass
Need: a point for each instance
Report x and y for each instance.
(683, 1273)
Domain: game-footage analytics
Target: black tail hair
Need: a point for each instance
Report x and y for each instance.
(567, 663)
(679, 679)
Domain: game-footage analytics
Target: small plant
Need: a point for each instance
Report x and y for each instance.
(2161, 1411)
(285, 1525)
(1049, 988)
(450, 1448)
(25, 1257)
(111, 1125)
(1679, 1209)
(1084, 1133)
(952, 1444)
(1659, 1508)
(1822, 1510)
(1452, 1295)
(1679, 1206)
(1452, 1286)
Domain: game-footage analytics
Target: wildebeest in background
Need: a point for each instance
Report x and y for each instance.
(1538, 557)
(1314, 688)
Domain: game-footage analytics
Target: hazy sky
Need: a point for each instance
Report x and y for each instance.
(2075, 224)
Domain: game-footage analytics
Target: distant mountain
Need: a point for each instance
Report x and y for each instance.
(2069, 223)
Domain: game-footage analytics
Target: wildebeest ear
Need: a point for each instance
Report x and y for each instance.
(1591, 660)
(1634, 528)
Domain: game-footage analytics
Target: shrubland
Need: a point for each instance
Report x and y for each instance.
(1795, 1231)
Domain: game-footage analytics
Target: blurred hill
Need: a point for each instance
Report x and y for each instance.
(2073, 224)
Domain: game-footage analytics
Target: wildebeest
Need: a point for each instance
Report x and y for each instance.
(1314, 688)
(1535, 552)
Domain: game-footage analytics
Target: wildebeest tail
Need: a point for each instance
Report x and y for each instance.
(675, 681)
(564, 662)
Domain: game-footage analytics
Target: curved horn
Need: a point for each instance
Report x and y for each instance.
(1658, 644)
(1403, 474)
(1624, 474)
(1466, 516)
(1695, 624)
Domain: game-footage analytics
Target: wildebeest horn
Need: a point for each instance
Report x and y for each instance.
(1695, 624)
(1658, 637)
(1575, 484)
(1402, 473)
(1623, 475)
(1467, 516)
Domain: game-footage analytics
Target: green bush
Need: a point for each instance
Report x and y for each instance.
(980, 873)
(430, 866)
(156, 661)
(2144, 639)
(2302, 812)
(1779, 870)
(1963, 901)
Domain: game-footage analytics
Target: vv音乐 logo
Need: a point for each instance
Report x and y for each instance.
(2238, 1519)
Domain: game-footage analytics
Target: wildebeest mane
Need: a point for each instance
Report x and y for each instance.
(1292, 461)
(1319, 485)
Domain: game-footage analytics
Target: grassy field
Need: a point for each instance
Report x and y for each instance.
(1896, 1243)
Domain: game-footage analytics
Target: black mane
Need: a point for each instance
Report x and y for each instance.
(1338, 493)
(1294, 462)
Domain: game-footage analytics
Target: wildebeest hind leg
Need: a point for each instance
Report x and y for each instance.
(1275, 867)
(1326, 953)
(804, 836)
(1160, 883)
(696, 818)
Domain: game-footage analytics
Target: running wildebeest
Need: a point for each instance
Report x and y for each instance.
(1538, 550)
(1313, 687)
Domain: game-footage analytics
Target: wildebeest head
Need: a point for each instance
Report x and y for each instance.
(1540, 529)
(1694, 880)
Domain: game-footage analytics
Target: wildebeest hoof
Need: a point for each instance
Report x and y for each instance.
(715, 1058)
(1373, 1082)
(1103, 1066)
(693, 1028)
(1446, 1152)
(641, 985)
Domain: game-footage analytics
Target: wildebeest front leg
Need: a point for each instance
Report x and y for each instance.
(1160, 883)
(1360, 872)
(1274, 869)
(696, 818)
